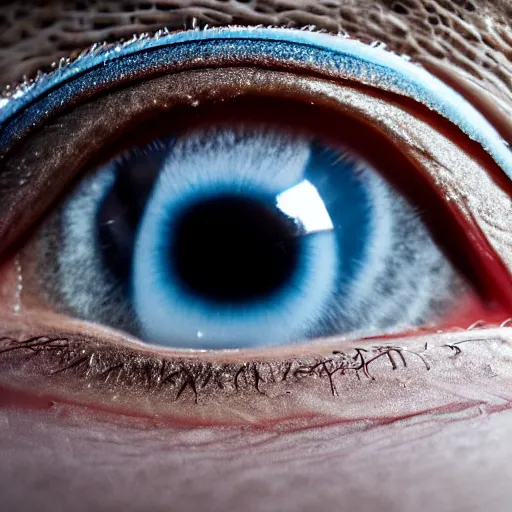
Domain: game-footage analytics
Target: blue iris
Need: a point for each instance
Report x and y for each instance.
(348, 202)
(248, 241)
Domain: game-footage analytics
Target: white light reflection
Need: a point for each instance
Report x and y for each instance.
(303, 203)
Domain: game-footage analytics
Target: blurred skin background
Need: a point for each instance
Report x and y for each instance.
(453, 454)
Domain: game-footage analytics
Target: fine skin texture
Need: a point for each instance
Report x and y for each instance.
(434, 434)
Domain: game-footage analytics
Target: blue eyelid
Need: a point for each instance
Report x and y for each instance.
(333, 55)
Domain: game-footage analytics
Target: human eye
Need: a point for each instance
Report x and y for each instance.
(240, 189)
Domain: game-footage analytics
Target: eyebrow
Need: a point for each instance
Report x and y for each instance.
(68, 30)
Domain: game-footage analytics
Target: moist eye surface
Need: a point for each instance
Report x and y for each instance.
(235, 235)
(232, 232)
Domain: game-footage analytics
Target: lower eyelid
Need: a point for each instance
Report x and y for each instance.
(333, 382)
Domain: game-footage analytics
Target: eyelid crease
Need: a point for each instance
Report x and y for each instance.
(342, 57)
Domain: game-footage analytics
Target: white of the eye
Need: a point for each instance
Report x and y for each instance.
(79, 257)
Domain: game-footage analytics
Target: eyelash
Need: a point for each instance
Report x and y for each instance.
(86, 364)
(173, 376)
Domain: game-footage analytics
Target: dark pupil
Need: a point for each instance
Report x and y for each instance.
(233, 248)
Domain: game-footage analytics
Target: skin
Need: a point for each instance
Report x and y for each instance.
(395, 439)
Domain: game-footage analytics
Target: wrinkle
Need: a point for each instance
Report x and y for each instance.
(364, 469)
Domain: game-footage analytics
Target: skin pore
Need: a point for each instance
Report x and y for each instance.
(432, 434)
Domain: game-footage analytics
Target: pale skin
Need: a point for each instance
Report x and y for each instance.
(421, 423)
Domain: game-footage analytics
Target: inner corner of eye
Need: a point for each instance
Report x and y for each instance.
(259, 225)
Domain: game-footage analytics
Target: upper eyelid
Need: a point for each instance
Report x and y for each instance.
(367, 64)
